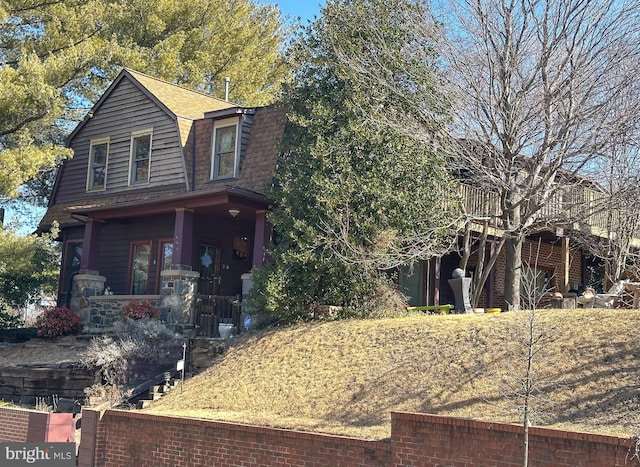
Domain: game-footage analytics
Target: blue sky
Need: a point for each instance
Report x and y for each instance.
(305, 9)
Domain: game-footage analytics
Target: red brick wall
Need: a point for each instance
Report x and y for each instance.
(135, 439)
(14, 424)
(422, 440)
(550, 256)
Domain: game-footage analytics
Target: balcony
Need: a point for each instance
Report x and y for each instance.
(581, 208)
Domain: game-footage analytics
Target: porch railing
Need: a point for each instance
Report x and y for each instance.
(211, 310)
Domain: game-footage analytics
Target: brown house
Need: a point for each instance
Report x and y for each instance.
(164, 196)
(164, 200)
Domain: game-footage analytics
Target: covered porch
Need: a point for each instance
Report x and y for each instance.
(186, 250)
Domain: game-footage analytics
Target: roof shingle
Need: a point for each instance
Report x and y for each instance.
(183, 102)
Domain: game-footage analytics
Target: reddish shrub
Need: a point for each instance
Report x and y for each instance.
(138, 309)
(58, 321)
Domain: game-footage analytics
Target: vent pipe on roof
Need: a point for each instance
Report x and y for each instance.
(226, 88)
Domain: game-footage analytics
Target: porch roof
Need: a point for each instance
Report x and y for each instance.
(216, 199)
(213, 201)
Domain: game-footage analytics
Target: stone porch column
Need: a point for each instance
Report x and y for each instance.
(85, 284)
(178, 295)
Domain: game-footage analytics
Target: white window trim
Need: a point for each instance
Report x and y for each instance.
(219, 124)
(92, 143)
(134, 135)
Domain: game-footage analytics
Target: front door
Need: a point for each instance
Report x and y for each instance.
(209, 265)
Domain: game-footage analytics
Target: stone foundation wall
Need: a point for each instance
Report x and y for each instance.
(103, 310)
(98, 312)
(203, 352)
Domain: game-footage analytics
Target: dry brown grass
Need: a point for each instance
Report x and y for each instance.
(346, 377)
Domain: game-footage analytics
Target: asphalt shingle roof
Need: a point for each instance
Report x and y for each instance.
(182, 102)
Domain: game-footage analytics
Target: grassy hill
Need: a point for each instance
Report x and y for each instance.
(346, 377)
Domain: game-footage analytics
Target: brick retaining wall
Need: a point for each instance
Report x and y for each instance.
(423, 440)
(122, 438)
(133, 439)
(14, 424)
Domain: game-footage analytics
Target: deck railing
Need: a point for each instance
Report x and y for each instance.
(581, 205)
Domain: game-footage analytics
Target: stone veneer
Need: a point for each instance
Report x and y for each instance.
(178, 295)
(86, 284)
(98, 312)
(104, 310)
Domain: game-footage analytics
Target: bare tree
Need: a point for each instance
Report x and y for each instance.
(539, 86)
(541, 90)
(617, 214)
(523, 383)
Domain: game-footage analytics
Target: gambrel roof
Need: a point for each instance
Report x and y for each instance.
(177, 101)
(183, 123)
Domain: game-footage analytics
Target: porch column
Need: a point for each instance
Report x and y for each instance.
(492, 277)
(565, 265)
(90, 245)
(261, 238)
(183, 237)
(436, 280)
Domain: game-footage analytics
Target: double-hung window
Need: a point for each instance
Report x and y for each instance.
(98, 155)
(225, 149)
(140, 157)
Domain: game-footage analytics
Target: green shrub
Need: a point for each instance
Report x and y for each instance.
(57, 322)
(292, 290)
(9, 319)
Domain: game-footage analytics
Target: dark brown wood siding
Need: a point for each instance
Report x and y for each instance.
(259, 162)
(115, 240)
(126, 110)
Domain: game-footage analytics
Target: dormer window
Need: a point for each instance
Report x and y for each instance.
(226, 146)
(140, 157)
(98, 155)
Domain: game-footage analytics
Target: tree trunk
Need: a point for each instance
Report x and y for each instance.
(513, 272)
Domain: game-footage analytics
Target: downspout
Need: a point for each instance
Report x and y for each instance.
(193, 157)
